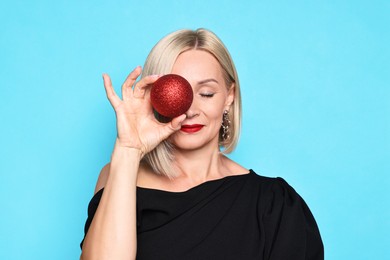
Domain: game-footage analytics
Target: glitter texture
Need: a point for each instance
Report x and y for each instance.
(171, 95)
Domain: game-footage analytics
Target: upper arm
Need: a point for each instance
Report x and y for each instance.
(103, 176)
(289, 226)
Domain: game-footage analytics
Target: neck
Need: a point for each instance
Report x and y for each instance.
(199, 165)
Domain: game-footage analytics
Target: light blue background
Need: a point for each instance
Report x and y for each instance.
(315, 82)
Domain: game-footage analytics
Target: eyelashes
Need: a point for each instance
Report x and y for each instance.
(207, 95)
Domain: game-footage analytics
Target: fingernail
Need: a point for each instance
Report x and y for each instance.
(184, 118)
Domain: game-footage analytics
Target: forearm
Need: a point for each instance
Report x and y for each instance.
(112, 234)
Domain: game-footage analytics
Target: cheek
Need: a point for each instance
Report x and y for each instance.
(213, 111)
(214, 117)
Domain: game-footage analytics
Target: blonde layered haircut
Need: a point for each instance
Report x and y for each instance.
(160, 61)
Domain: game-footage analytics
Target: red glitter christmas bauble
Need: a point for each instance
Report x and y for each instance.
(171, 95)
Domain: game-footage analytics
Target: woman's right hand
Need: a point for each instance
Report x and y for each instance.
(136, 125)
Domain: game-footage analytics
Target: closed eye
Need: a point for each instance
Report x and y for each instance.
(207, 95)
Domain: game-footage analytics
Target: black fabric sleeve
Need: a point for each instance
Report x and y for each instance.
(291, 231)
(92, 207)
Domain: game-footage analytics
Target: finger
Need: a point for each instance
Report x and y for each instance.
(127, 91)
(141, 86)
(173, 126)
(177, 121)
(110, 92)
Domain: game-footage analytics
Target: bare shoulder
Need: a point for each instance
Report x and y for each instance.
(103, 176)
(147, 178)
(233, 167)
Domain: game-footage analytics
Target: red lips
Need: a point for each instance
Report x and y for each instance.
(191, 128)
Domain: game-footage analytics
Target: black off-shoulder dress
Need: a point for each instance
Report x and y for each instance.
(237, 217)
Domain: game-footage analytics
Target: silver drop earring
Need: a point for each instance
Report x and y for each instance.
(225, 125)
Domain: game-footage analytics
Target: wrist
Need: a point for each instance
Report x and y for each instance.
(124, 164)
(128, 148)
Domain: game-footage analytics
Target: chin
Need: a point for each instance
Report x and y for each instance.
(187, 145)
(191, 143)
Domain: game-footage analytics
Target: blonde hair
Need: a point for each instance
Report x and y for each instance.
(160, 61)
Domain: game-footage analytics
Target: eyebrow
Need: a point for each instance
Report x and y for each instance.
(207, 81)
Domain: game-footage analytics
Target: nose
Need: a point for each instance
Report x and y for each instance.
(190, 114)
(192, 111)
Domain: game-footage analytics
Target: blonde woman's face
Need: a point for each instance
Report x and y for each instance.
(211, 98)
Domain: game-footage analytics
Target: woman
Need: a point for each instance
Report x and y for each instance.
(170, 193)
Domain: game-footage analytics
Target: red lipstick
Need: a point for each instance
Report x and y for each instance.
(191, 128)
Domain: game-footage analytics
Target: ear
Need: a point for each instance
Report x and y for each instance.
(230, 97)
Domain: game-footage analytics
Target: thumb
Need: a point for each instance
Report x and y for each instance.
(173, 126)
(177, 121)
